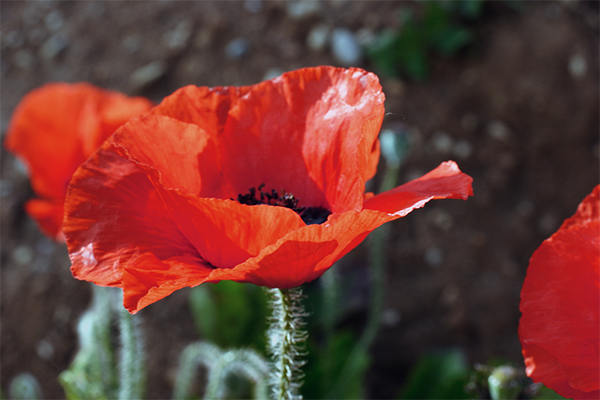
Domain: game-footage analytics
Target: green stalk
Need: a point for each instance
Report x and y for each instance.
(131, 364)
(376, 241)
(286, 338)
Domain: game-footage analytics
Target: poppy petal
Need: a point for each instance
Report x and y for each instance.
(48, 215)
(113, 215)
(147, 279)
(304, 254)
(202, 106)
(57, 127)
(61, 125)
(444, 182)
(559, 302)
(320, 142)
(176, 151)
(225, 232)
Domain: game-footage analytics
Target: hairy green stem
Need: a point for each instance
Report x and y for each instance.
(286, 338)
(131, 364)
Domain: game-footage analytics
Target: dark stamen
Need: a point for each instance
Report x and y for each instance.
(310, 215)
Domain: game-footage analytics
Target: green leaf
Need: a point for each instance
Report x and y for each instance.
(439, 375)
(229, 314)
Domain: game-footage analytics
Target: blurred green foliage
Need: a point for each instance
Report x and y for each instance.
(230, 314)
(437, 375)
(443, 28)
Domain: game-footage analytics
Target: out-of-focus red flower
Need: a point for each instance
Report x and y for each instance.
(53, 130)
(560, 303)
(166, 202)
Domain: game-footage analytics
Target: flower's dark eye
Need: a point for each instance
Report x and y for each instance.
(310, 215)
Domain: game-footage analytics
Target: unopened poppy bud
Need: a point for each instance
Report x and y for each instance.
(504, 383)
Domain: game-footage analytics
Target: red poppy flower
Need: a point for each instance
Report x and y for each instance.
(53, 130)
(166, 202)
(560, 303)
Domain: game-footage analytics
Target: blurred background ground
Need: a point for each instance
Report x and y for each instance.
(518, 110)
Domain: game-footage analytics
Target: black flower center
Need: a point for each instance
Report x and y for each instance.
(310, 215)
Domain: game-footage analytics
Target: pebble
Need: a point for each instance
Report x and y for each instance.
(45, 350)
(442, 142)
(237, 48)
(345, 47)
(462, 149)
(178, 37)
(23, 255)
(577, 66)
(434, 257)
(253, 6)
(317, 37)
(391, 317)
(147, 74)
(54, 20)
(13, 39)
(54, 45)
(23, 59)
(133, 43)
(302, 9)
(499, 131)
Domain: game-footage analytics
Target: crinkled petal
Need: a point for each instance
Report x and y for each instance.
(304, 254)
(177, 151)
(312, 132)
(542, 366)
(444, 182)
(225, 232)
(205, 107)
(560, 305)
(113, 215)
(147, 279)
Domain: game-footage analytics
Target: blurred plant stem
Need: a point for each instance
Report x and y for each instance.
(357, 359)
(286, 339)
(132, 369)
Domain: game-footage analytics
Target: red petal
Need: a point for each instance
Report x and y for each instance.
(182, 155)
(57, 127)
(560, 306)
(542, 366)
(113, 214)
(61, 125)
(202, 106)
(227, 233)
(444, 182)
(48, 215)
(311, 132)
(588, 211)
(305, 254)
(146, 279)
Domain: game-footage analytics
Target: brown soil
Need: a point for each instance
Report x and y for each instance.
(514, 112)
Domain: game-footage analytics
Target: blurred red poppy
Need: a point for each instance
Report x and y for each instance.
(560, 303)
(261, 184)
(53, 130)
